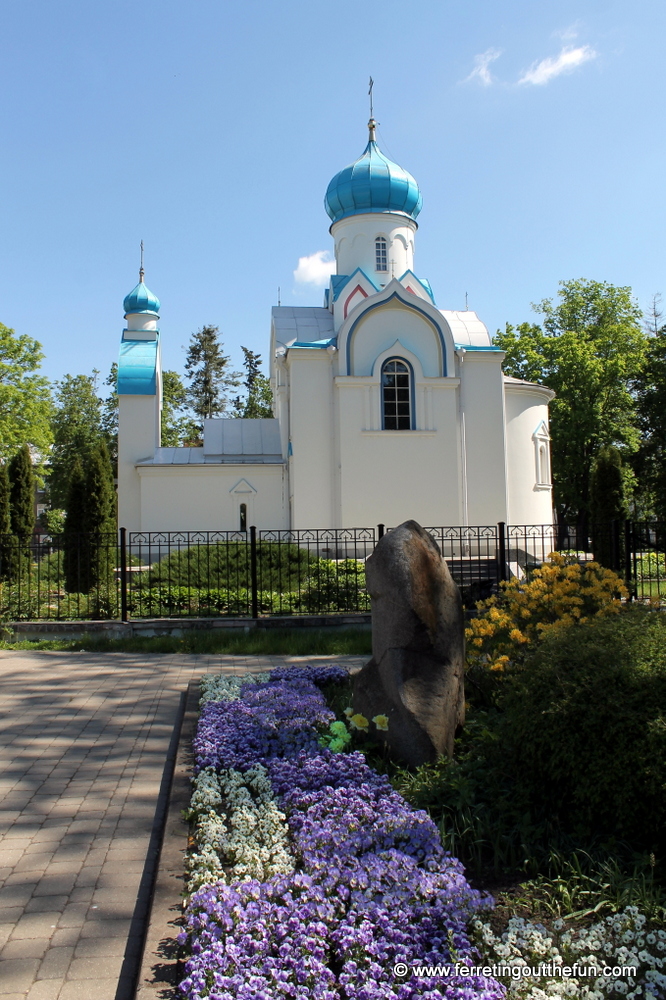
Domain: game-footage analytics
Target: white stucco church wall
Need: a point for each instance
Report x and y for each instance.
(385, 406)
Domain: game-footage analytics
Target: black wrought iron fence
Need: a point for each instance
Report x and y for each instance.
(72, 576)
(317, 572)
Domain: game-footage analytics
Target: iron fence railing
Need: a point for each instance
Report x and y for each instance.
(287, 572)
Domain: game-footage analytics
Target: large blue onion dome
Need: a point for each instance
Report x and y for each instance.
(373, 183)
(141, 299)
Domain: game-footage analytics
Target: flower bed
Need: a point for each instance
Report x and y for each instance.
(312, 877)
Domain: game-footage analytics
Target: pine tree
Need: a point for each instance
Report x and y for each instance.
(210, 374)
(607, 504)
(258, 401)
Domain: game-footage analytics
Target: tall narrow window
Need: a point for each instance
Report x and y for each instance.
(381, 259)
(396, 396)
(243, 517)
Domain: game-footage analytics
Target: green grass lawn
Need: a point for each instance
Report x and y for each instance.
(284, 642)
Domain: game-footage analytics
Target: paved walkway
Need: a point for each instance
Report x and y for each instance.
(84, 739)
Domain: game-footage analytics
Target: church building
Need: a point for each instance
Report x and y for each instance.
(386, 407)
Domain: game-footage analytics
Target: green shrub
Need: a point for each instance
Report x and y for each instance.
(584, 727)
(226, 565)
(334, 586)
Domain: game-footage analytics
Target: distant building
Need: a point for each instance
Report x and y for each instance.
(385, 406)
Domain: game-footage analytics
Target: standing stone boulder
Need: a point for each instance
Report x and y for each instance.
(416, 674)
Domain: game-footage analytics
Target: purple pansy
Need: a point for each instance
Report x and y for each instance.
(373, 885)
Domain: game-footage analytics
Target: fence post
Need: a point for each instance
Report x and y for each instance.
(615, 547)
(501, 549)
(253, 571)
(629, 572)
(380, 531)
(123, 574)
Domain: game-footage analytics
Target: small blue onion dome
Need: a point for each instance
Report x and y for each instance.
(141, 299)
(373, 183)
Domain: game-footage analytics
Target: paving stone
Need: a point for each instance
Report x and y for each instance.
(18, 974)
(44, 903)
(65, 936)
(94, 967)
(105, 928)
(74, 915)
(45, 989)
(91, 947)
(36, 925)
(56, 962)
(24, 948)
(89, 989)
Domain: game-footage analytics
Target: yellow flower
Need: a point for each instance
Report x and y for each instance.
(359, 721)
(381, 721)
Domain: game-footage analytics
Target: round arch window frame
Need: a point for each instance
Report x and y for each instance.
(412, 395)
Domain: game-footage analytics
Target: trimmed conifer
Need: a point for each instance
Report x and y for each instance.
(5, 518)
(76, 557)
(21, 510)
(22, 494)
(5, 524)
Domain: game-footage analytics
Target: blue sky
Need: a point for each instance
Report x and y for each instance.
(210, 130)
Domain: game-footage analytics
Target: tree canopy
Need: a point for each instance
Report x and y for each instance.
(650, 461)
(77, 429)
(25, 396)
(591, 350)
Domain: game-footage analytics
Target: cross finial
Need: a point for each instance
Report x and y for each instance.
(141, 271)
(372, 124)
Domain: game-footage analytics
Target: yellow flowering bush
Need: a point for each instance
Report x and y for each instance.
(561, 592)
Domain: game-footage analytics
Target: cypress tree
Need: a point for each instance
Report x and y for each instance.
(22, 494)
(100, 515)
(607, 504)
(5, 523)
(75, 554)
(21, 509)
(5, 519)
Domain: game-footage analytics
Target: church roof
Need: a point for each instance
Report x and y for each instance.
(468, 330)
(229, 441)
(373, 183)
(303, 326)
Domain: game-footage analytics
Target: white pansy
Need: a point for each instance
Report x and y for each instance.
(602, 944)
(246, 839)
(226, 687)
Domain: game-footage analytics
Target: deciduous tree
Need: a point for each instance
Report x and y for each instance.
(25, 396)
(651, 458)
(591, 350)
(77, 429)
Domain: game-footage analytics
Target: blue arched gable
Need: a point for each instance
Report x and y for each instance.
(416, 306)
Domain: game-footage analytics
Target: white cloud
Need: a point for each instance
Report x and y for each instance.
(315, 269)
(568, 60)
(481, 63)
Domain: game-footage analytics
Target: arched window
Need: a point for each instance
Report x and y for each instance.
(381, 258)
(243, 517)
(396, 395)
